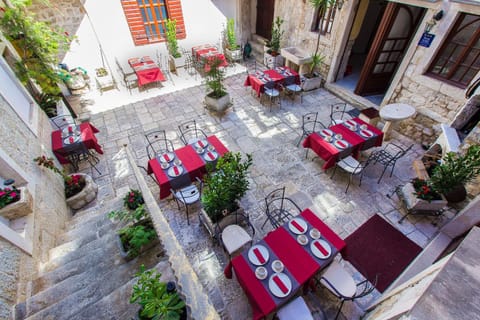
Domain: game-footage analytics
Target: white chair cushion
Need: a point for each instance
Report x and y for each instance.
(190, 194)
(297, 309)
(294, 87)
(340, 279)
(272, 92)
(350, 164)
(234, 237)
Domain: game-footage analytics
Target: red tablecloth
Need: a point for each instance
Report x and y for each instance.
(274, 74)
(192, 162)
(146, 70)
(208, 53)
(87, 133)
(298, 260)
(202, 49)
(328, 152)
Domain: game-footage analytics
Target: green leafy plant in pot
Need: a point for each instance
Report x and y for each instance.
(171, 33)
(156, 298)
(455, 170)
(231, 37)
(217, 98)
(225, 186)
(277, 34)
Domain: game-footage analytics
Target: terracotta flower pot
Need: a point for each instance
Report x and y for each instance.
(86, 195)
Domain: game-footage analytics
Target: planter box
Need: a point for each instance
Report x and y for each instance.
(20, 208)
(272, 61)
(84, 197)
(312, 83)
(218, 105)
(216, 228)
(128, 255)
(414, 204)
(233, 55)
(176, 63)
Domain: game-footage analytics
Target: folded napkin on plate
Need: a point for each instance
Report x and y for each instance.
(175, 169)
(166, 157)
(71, 139)
(211, 155)
(321, 248)
(297, 225)
(259, 256)
(200, 143)
(280, 284)
(366, 133)
(341, 143)
(70, 129)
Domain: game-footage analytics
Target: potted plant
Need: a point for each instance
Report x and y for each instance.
(157, 299)
(419, 195)
(137, 238)
(313, 80)
(133, 199)
(272, 55)
(38, 45)
(176, 59)
(48, 103)
(15, 202)
(232, 49)
(224, 187)
(217, 98)
(454, 171)
(80, 189)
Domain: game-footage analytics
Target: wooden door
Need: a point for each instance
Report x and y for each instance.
(395, 32)
(265, 10)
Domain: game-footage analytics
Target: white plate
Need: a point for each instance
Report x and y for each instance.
(351, 123)
(201, 144)
(302, 226)
(326, 133)
(340, 144)
(366, 133)
(316, 251)
(275, 289)
(261, 273)
(206, 156)
(315, 234)
(277, 266)
(169, 155)
(67, 140)
(302, 239)
(262, 251)
(171, 171)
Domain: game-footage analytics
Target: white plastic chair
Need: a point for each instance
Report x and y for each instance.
(234, 238)
(296, 309)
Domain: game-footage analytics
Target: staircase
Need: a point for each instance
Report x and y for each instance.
(85, 277)
(257, 42)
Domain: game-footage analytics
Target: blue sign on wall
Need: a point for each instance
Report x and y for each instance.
(426, 39)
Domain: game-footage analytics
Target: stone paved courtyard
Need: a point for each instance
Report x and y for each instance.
(271, 138)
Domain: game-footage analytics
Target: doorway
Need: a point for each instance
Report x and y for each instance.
(265, 11)
(380, 36)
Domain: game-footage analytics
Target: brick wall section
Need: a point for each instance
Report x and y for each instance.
(49, 209)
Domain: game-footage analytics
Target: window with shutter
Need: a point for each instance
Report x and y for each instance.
(323, 18)
(146, 19)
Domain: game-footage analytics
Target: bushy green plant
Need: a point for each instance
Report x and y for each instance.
(171, 33)
(38, 45)
(277, 34)
(154, 298)
(225, 185)
(456, 169)
(231, 36)
(215, 77)
(321, 6)
(133, 199)
(129, 216)
(135, 236)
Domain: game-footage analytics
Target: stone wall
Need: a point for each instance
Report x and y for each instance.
(50, 212)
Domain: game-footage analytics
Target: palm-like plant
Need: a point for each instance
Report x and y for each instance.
(321, 6)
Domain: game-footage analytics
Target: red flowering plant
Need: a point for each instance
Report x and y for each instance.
(133, 199)
(8, 195)
(424, 190)
(73, 183)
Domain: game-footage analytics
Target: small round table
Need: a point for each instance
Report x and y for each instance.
(392, 113)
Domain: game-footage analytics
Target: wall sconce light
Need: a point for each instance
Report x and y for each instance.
(436, 17)
(339, 4)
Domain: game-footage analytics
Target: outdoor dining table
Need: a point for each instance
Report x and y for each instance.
(146, 70)
(300, 262)
(354, 139)
(258, 79)
(207, 53)
(193, 164)
(72, 138)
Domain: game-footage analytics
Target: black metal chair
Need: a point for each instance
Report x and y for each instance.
(190, 133)
(158, 147)
(292, 88)
(63, 121)
(79, 152)
(337, 113)
(279, 209)
(351, 166)
(188, 195)
(388, 156)
(310, 124)
(272, 91)
(154, 135)
(341, 283)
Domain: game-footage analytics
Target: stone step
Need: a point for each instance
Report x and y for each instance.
(258, 43)
(99, 222)
(67, 299)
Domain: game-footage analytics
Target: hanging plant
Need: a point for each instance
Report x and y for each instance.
(38, 45)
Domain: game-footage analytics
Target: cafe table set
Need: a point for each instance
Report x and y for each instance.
(343, 139)
(258, 79)
(146, 70)
(207, 53)
(275, 270)
(177, 169)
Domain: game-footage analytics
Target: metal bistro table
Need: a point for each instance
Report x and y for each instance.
(392, 113)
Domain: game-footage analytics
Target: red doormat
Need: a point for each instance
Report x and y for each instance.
(377, 248)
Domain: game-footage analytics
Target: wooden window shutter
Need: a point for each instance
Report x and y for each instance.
(174, 8)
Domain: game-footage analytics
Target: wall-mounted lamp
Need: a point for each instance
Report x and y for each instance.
(436, 17)
(339, 4)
